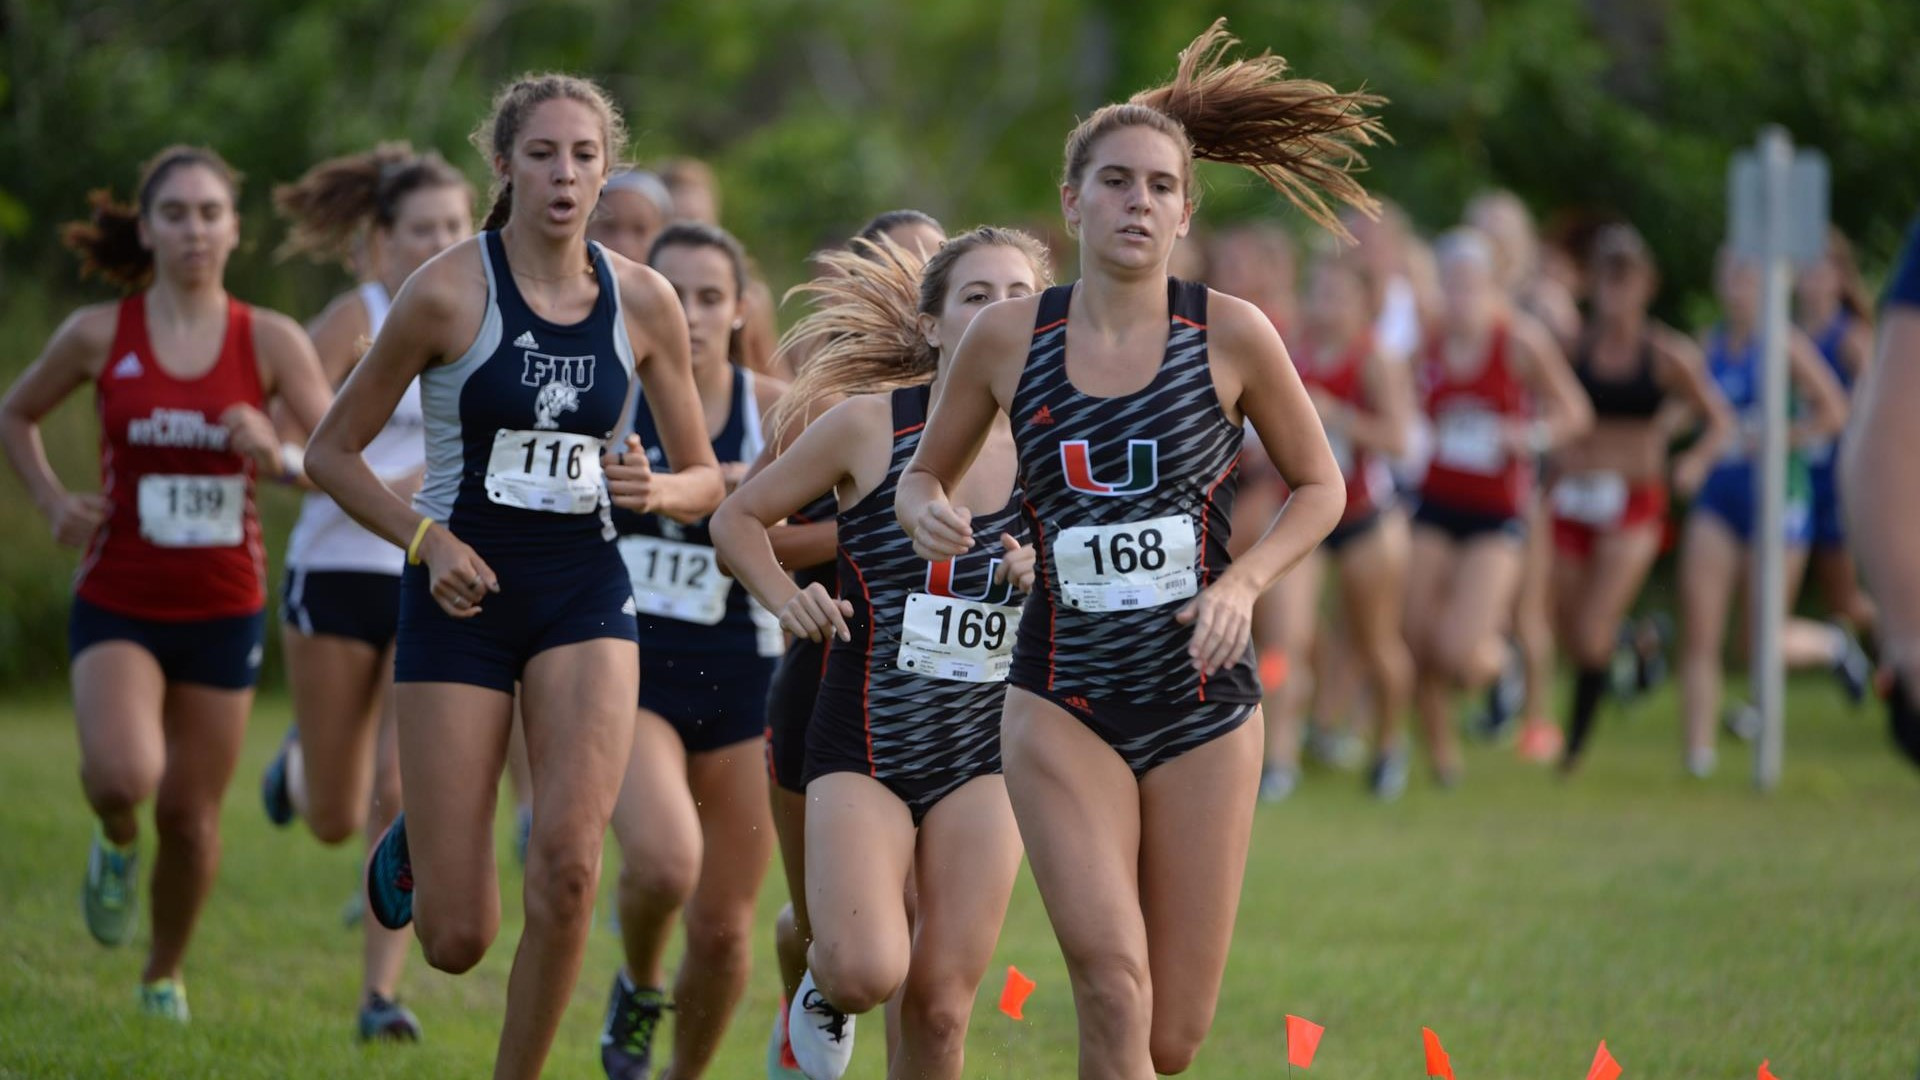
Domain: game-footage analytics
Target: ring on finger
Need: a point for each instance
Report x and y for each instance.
(459, 601)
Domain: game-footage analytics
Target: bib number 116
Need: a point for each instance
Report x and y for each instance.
(553, 455)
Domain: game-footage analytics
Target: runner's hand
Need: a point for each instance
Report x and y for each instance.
(630, 479)
(76, 517)
(459, 579)
(250, 434)
(943, 531)
(1018, 565)
(814, 614)
(1222, 621)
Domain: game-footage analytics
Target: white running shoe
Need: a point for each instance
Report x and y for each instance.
(781, 1064)
(1701, 761)
(821, 1035)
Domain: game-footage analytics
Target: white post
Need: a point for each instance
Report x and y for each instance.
(1768, 591)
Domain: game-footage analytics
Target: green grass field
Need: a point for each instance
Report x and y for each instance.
(1698, 927)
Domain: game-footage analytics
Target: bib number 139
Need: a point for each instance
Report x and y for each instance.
(1126, 567)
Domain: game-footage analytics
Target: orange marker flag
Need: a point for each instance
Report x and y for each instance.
(1603, 1067)
(1766, 1073)
(1303, 1038)
(1437, 1063)
(1014, 994)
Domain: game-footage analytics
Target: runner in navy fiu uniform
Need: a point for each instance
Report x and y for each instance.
(1128, 760)
(1128, 499)
(902, 755)
(1833, 308)
(526, 341)
(166, 626)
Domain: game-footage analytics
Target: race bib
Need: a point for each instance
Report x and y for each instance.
(944, 637)
(193, 511)
(1139, 564)
(768, 638)
(555, 471)
(1597, 499)
(674, 580)
(1469, 440)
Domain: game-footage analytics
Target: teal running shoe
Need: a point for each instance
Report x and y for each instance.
(112, 893)
(390, 877)
(166, 999)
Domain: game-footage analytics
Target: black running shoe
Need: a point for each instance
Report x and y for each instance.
(390, 877)
(386, 1020)
(626, 1039)
(1852, 667)
(1504, 699)
(1903, 718)
(274, 793)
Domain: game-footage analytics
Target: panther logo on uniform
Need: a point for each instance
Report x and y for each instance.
(554, 399)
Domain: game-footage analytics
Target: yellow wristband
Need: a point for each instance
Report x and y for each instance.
(419, 534)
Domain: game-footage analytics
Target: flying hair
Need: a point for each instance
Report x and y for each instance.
(108, 242)
(863, 334)
(1301, 136)
(333, 204)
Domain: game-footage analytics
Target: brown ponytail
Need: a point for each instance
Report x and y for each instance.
(1301, 136)
(332, 205)
(863, 336)
(108, 242)
(511, 106)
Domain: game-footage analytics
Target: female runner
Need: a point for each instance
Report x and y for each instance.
(526, 341)
(1482, 375)
(1720, 528)
(692, 821)
(1365, 402)
(340, 604)
(1834, 311)
(1129, 760)
(168, 624)
(903, 755)
(806, 547)
(1609, 496)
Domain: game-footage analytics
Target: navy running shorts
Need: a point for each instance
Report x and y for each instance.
(541, 605)
(222, 653)
(713, 700)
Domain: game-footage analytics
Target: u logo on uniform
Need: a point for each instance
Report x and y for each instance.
(940, 582)
(1143, 468)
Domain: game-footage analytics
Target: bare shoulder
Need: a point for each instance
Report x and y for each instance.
(345, 314)
(642, 290)
(276, 334)
(81, 341)
(856, 415)
(1535, 340)
(767, 390)
(1673, 346)
(1239, 330)
(447, 284)
(1005, 323)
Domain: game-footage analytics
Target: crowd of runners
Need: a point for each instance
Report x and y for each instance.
(901, 594)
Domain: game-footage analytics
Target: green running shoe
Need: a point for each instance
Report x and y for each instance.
(112, 893)
(165, 998)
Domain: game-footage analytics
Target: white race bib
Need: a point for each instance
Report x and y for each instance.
(944, 637)
(1597, 499)
(193, 511)
(1139, 564)
(555, 471)
(675, 580)
(1469, 440)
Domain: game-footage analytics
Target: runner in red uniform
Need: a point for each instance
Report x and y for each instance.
(167, 617)
(1482, 378)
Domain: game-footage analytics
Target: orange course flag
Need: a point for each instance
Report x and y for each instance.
(1766, 1073)
(1437, 1063)
(1303, 1038)
(1603, 1067)
(1014, 994)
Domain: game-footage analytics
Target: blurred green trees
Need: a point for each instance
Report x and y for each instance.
(818, 113)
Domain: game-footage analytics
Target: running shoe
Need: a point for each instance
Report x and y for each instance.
(111, 896)
(626, 1040)
(1903, 719)
(275, 794)
(1701, 761)
(1336, 749)
(354, 911)
(780, 1061)
(821, 1035)
(1277, 782)
(390, 877)
(384, 1019)
(1852, 667)
(166, 999)
(1540, 742)
(1742, 720)
(1504, 699)
(1387, 779)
